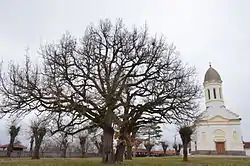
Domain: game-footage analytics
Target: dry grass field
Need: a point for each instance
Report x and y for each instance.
(170, 161)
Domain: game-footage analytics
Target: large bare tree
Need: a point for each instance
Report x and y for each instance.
(62, 141)
(97, 139)
(38, 129)
(186, 133)
(13, 131)
(48, 145)
(89, 80)
(187, 130)
(151, 133)
(64, 125)
(83, 138)
(164, 145)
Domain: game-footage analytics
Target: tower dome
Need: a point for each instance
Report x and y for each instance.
(213, 88)
(212, 75)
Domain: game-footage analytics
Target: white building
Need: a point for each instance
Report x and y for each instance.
(218, 130)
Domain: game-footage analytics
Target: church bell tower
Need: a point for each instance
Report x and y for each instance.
(213, 88)
(218, 130)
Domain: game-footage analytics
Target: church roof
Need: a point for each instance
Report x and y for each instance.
(212, 75)
(14, 146)
(223, 112)
(246, 145)
(233, 113)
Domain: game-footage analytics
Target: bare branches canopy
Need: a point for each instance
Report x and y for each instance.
(110, 73)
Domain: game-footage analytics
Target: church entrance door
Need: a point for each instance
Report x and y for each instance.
(220, 147)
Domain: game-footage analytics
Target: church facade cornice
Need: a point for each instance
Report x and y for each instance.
(211, 100)
(221, 121)
(218, 124)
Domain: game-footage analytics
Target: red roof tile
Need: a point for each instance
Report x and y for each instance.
(156, 151)
(246, 145)
(15, 146)
(140, 150)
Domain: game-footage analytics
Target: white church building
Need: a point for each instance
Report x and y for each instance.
(218, 130)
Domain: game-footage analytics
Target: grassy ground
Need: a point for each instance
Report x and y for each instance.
(170, 161)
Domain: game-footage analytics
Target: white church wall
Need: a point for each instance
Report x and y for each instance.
(205, 137)
(234, 141)
(192, 145)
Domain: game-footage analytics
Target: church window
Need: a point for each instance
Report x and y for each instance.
(208, 93)
(203, 138)
(220, 93)
(214, 93)
(235, 136)
(219, 132)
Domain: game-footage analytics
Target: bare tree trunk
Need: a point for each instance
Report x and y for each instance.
(164, 151)
(31, 144)
(177, 150)
(149, 147)
(83, 150)
(83, 140)
(108, 154)
(84, 154)
(36, 154)
(129, 153)
(64, 146)
(64, 152)
(129, 145)
(9, 150)
(120, 151)
(10, 146)
(39, 131)
(185, 156)
(99, 146)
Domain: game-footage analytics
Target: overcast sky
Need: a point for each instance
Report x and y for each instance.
(204, 31)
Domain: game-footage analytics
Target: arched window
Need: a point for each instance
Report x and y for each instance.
(208, 94)
(219, 132)
(214, 93)
(220, 93)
